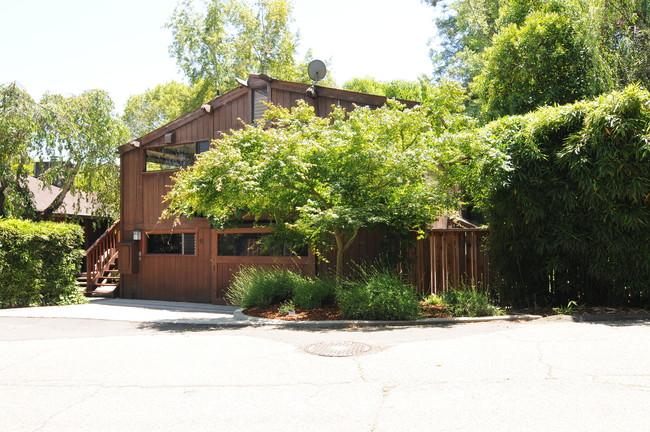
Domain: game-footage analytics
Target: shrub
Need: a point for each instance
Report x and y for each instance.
(432, 299)
(314, 293)
(468, 302)
(379, 294)
(570, 217)
(39, 262)
(262, 287)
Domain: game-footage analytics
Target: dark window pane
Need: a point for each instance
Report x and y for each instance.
(251, 244)
(178, 244)
(202, 146)
(170, 158)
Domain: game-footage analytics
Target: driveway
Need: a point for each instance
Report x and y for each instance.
(553, 374)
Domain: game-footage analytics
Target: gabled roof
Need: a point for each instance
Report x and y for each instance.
(44, 195)
(254, 80)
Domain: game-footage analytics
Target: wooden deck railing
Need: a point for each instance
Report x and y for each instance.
(101, 254)
(449, 258)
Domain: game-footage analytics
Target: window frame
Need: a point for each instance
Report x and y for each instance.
(145, 245)
(195, 145)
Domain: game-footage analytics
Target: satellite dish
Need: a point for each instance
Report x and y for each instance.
(316, 70)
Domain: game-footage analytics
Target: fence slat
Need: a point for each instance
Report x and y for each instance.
(455, 257)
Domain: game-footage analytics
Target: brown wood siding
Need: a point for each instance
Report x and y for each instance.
(204, 277)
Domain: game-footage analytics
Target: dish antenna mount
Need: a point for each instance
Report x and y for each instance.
(317, 72)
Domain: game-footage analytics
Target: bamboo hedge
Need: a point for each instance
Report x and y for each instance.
(569, 217)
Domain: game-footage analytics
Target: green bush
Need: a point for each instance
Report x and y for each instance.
(468, 302)
(378, 294)
(262, 287)
(314, 293)
(570, 217)
(39, 262)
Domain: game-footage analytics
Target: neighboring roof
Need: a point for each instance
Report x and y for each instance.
(44, 195)
(253, 79)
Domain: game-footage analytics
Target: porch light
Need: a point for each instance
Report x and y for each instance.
(137, 234)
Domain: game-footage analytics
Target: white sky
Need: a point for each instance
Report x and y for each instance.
(68, 46)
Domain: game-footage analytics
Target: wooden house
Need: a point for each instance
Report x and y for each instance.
(191, 261)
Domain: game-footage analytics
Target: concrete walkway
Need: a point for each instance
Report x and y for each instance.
(133, 311)
(162, 312)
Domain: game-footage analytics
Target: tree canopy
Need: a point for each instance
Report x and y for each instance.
(517, 55)
(224, 39)
(323, 179)
(81, 131)
(147, 111)
(544, 60)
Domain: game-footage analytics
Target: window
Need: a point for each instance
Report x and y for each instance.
(253, 244)
(170, 158)
(176, 244)
(260, 99)
(202, 146)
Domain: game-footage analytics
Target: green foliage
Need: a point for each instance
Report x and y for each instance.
(466, 28)
(80, 131)
(569, 217)
(397, 89)
(323, 179)
(314, 293)
(262, 287)
(525, 49)
(378, 294)
(157, 106)
(468, 302)
(543, 61)
(568, 310)
(287, 308)
(21, 121)
(84, 132)
(39, 263)
(432, 299)
(225, 39)
(624, 27)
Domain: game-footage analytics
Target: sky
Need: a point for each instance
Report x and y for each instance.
(121, 46)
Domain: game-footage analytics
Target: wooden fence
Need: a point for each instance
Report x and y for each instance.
(449, 258)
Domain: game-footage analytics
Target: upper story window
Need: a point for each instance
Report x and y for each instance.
(260, 99)
(174, 157)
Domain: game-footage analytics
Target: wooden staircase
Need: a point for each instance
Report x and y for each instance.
(102, 277)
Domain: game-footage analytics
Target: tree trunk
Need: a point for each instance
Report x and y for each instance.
(65, 188)
(341, 246)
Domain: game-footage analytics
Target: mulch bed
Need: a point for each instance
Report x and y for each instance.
(327, 313)
(428, 311)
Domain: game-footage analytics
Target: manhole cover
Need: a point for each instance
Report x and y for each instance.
(338, 349)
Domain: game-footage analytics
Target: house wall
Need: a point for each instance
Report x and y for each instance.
(203, 277)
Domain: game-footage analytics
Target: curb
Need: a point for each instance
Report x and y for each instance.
(240, 317)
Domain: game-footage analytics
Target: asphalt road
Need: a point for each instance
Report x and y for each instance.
(551, 374)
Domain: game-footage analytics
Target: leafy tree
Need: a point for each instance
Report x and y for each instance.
(84, 132)
(229, 38)
(323, 179)
(543, 61)
(156, 107)
(466, 28)
(397, 89)
(81, 131)
(20, 122)
(624, 26)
